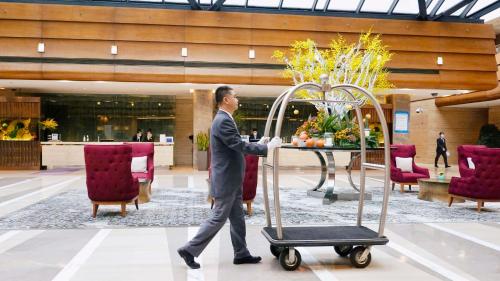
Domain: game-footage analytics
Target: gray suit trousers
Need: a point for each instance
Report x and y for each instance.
(224, 208)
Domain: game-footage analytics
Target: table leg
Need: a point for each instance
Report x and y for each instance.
(329, 195)
(349, 170)
(324, 171)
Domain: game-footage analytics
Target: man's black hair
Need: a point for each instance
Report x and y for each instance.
(221, 92)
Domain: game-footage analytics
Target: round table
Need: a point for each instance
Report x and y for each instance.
(327, 179)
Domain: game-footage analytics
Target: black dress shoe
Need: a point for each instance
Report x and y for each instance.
(188, 258)
(436, 166)
(249, 259)
(447, 166)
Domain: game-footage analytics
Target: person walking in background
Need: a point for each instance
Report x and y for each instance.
(228, 169)
(138, 136)
(441, 150)
(149, 136)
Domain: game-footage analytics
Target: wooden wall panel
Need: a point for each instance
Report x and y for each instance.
(150, 51)
(494, 115)
(158, 34)
(19, 107)
(240, 20)
(20, 155)
(152, 33)
(20, 28)
(78, 30)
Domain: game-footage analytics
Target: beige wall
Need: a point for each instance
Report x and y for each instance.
(183, 149)
(461, 126)
(203, 108)
(494, 115)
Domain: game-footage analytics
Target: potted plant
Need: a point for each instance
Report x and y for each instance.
(202, 143)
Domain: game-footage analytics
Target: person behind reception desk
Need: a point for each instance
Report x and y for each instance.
(254, 137)
(149, 136)
(227, 172)
(138, 136)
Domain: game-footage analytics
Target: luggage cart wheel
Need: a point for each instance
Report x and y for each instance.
(275, 250)
(290, 265)
(343, 250)
(357, 258)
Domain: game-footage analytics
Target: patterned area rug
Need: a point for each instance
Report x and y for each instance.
(181, 206)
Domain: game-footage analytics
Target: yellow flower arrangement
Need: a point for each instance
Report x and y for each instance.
(16, 130)
(361, 64)
(49, 124)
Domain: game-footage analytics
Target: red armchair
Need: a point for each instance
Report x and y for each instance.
(144, 149)
(249, 181)
(465, 151)
(484, 184)
(109, 176)
(406, 178)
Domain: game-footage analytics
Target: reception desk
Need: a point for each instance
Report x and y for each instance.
(61, 154)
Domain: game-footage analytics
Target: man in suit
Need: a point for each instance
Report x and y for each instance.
(138, 136)
(227, 168)
(254, 137)
(441, 150)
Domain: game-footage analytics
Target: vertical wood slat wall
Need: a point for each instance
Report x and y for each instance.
(20, 155)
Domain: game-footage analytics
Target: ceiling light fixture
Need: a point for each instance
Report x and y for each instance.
(114, 50)
(184, 52)
(251, 54)
(41, 47)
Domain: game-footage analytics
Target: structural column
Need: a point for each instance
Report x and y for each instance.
(203, 111)
(183, 147)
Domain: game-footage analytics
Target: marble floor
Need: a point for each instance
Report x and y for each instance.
(468, 250)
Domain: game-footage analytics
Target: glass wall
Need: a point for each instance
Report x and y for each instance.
(253, 113)
(109, 117)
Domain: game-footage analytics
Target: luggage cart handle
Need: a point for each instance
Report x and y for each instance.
(268, 165)
(374, 166)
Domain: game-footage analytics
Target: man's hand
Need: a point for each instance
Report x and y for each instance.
(275, 142)
(263, 140)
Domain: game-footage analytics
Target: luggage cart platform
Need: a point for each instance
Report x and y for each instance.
(323, 236)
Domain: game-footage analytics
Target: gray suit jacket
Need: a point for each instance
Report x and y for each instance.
(227, 159)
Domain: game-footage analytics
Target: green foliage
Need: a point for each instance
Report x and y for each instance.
(202, 141)
(489, 135)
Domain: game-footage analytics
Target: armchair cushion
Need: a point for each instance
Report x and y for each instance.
(139, 164)
(404, 164)
(470, 163)
(412, 177)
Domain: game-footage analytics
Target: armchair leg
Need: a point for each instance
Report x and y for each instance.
(450, 201)
(94, 210)
(393, 185)
(136, 201)
(410, 187)
(479, 205)
(249, 208)
(402, 188)
(124, 209)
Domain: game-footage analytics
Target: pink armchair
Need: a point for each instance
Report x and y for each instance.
(144, 149)
(484, 184)
(249, 181)
(405, 178)
(109, 176)
(465, 151)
